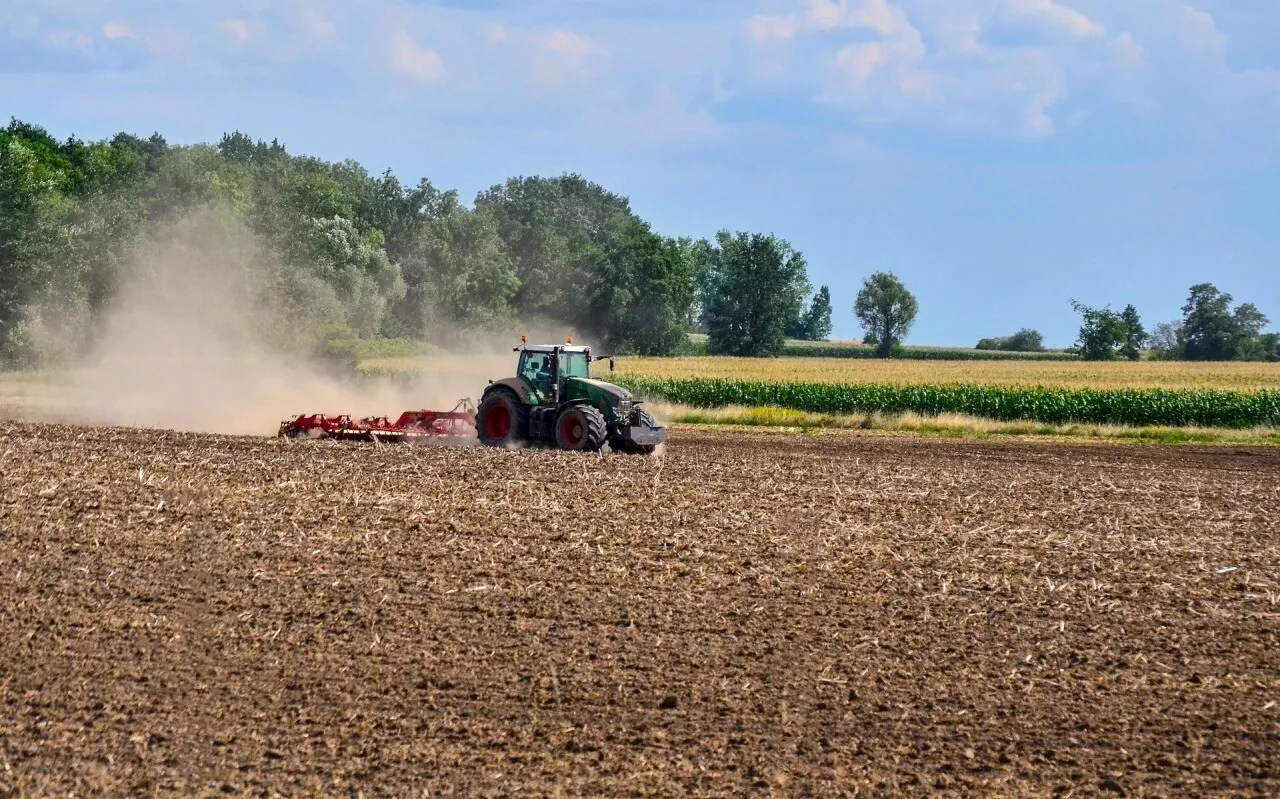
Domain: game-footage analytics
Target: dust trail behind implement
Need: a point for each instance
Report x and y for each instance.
(190, 342)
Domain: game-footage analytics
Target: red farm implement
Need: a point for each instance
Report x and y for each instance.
(412, 426)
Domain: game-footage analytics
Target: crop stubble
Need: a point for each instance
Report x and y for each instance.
(194, 614)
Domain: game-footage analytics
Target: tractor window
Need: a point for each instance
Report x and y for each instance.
(575, 364)
(536, 368)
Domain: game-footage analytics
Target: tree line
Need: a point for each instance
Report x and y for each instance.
(1210, 329)
(347, 254)
(340, 254)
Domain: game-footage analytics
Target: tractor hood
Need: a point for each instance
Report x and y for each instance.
(595, 387)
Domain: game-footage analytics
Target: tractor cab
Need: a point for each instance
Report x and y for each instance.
(545, 368)
(552, 399)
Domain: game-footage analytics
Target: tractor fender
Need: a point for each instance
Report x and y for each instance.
(513, 384)
(590, 402)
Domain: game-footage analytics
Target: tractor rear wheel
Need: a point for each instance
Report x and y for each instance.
(580, 428)
(502, 420)
(642, 418)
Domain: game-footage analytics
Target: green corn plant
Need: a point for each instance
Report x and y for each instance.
(1134, 407)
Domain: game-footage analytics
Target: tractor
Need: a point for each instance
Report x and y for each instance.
(553, 401)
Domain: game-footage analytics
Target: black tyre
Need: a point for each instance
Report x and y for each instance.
(502, 420)
(640, 418)
(580, 428)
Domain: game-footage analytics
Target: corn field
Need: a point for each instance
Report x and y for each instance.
(1136, 407)
(1178, 375)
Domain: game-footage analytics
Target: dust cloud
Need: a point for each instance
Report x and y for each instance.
(197, 339)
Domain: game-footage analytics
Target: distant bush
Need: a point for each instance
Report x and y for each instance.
(910, 353)
(338, 348)
(806, 349)
(1025, 340)
(1261, 348)
(392, 348)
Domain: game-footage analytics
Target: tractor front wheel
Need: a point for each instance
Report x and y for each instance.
(580, 428)
(502, 420)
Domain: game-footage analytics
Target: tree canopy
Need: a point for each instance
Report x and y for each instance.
(346, 254)
(1025, 340)
(362, 252)
(886, 311)
(753, 290)
(1104, 334)
(813, 323)
(1212, 331)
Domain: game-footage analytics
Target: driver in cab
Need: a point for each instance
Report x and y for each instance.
(538, 370)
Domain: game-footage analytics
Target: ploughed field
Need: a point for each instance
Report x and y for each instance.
(758, 612)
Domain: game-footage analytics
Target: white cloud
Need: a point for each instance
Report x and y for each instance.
(70, 40)
(407, 58)
(568, 43)
(1059, 16)
(670, 119)
(880, 17)
(1027, 68)
(315, 25)
(561, 55)
(665, 119)
(496, 34)
(859, 61)
(899, 53)
(918, 85)
(825, 15)
(236, 30)
(762, 28)
(1200, 31)
(1263, 84)
(1039, 123)
(1128, 52)
(876, 15)
(928, 60)
(899, 49)
(118, 30)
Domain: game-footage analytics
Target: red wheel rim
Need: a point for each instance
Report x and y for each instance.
(572, 431)
(497, 422)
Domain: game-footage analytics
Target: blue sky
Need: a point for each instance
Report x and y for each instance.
(1001, 156)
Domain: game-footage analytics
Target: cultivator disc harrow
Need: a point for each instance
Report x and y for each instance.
(410, 427)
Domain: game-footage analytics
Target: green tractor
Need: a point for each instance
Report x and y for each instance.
(553, 401)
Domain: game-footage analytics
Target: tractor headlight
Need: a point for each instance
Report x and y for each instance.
(624, 408)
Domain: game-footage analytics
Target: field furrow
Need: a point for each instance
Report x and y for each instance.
(750, 612)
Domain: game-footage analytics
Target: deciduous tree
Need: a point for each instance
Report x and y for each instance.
(755, 286)
(1135, 337)
(886, 311)
(1103, 333)
(1025, 340)
(1211, 331)
(814, 322)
